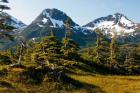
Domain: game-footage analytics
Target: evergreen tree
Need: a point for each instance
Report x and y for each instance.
(101, 48)
(98, 45)
(69, 47)
(137, 55)
(68, 28)
(4, 7)
(47, 51)
(130, 57)
(69, 51)
(67, 32)
(113, 52)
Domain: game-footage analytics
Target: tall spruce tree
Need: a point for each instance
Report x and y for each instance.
(68, 28)
(101, 48)
(69, 47)
(67, 32)
(113, 51)
(98, 45)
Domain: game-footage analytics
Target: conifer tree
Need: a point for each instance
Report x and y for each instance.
(68, 28)
(130, 56)
(47, 51)
(101, 48)
(98, 45)
(113, 51)
(69, 47)
(4, 7)
(67, 32)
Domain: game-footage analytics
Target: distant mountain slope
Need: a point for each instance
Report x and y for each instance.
(12, 21)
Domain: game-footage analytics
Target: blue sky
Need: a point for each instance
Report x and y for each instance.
(81, 11)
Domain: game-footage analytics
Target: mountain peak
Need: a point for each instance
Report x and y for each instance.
(53, 17)
(117, 22)
(54, 14)
(119, 14)
(52, 9)
(56, 20)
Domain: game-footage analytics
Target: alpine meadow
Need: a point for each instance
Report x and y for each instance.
(54, 54)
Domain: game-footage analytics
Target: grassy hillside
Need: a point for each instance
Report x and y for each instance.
(79, 78)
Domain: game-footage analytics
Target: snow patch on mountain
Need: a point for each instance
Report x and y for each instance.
(40, 25)
(56, 23)
(84, 30)
(126, 22)
(44, 20)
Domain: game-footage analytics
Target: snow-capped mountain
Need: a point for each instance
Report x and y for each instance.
(12, 21)
(53, 17)
(56, 20)
(117, 24)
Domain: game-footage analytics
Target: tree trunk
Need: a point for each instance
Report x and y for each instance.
(20, 54)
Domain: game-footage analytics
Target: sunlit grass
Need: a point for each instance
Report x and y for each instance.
(112, 84)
